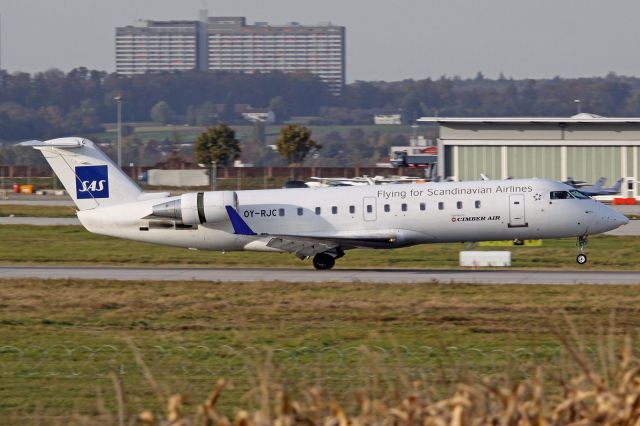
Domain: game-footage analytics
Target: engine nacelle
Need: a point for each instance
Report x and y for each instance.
(195, 208)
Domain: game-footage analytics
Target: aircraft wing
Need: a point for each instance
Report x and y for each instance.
(310, 245)
(304, 245)
(299, 247)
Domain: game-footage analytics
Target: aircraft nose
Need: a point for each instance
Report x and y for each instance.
(614, 219)
(621, 219)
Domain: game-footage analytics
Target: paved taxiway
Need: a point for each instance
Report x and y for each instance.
(337, 275)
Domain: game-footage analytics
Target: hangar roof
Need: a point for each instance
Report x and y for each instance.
(578, 118)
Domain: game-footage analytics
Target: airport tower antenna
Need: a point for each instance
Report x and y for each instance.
(118, 100)
(578, 105)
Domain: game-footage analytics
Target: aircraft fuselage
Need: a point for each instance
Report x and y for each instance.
(409, 213)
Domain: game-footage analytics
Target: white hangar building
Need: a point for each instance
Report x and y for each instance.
(584, 147)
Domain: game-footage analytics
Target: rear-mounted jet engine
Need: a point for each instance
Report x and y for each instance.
(196, 208)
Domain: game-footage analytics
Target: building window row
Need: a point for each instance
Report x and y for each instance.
(268, 58)
(142, 42)
(240, 51)
(289, 52)
(276, 36)
(269, 67)
(150, 36)
(146, 37)
(154, 55)
(242, 43)
(285, 62)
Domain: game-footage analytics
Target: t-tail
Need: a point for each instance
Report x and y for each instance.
(615, 189)
(91, 178)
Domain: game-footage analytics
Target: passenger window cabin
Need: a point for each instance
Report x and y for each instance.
(477, 204)
(369, 208)
(318, 210)
(440, 205)
(387, 208)
(403, 207)
(334, 210)
(352, 209)
(300, 210)
(423, 206)
(281, 212)
(459, 205)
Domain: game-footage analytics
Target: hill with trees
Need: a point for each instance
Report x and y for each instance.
(80, 102)
(54, 103)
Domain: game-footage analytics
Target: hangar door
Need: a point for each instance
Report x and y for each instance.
(592, 162)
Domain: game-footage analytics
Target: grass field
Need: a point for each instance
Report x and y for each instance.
(60, 339)
(20, 210)
(23, 244)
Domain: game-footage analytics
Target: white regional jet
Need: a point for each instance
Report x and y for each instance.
(322, 223)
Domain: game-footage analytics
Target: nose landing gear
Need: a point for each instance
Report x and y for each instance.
(581, 258)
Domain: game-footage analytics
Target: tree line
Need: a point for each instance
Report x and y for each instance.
(54, 103)
(611, 95)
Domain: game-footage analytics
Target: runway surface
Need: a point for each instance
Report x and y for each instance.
(630, 229)
(337, 275)
(36, 200)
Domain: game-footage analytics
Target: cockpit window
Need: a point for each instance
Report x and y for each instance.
(579, 195)
(560, 195)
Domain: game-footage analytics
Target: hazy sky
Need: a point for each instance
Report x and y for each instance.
(386, 39)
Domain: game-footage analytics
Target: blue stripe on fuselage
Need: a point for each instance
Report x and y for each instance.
(239, 226)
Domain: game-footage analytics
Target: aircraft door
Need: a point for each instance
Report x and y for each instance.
(369, 208)
(517, 217)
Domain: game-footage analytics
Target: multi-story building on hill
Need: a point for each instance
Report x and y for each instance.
(157, 46)
(229, 44)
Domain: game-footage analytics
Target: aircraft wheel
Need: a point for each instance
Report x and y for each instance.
(581, 259)
(323, 261)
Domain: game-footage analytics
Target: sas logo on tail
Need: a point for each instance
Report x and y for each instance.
(92, 182)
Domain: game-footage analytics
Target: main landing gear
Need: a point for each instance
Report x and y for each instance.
(581, 258)
(326, 260)
(323, 261)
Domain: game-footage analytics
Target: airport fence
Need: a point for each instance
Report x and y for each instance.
(228, 178)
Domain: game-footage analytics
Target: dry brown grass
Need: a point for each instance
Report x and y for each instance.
(589, 397)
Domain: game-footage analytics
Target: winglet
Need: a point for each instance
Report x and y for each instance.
(239, 226)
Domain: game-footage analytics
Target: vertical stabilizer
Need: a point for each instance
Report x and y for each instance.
(90, 177)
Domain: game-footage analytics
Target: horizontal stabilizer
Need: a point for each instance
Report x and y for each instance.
(56, 143)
